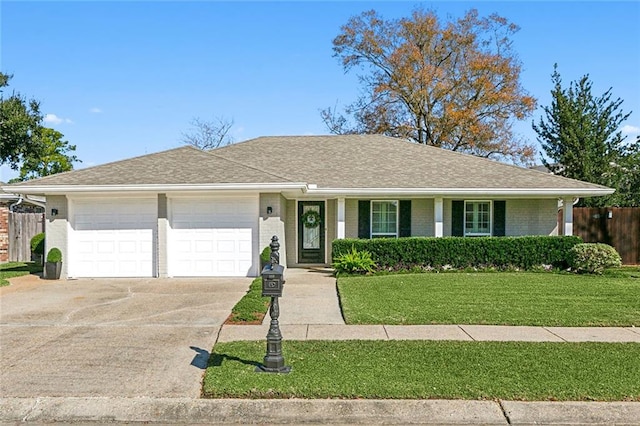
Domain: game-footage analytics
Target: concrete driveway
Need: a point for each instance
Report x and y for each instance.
(110, 337)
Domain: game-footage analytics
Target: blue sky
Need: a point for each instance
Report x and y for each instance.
(121, 79)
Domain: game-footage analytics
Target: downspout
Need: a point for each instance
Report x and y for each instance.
(36, 202)
(17, 203)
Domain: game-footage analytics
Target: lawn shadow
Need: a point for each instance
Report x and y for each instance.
(31, 267)
(216, 360)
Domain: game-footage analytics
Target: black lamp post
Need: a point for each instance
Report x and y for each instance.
(272, 283)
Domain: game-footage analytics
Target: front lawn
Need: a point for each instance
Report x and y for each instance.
(17, 269)
(518, 298)
(429, 369)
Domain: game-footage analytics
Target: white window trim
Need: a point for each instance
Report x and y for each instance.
(397, 233)
(464, 219)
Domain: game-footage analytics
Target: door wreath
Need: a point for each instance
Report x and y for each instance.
(311, 219)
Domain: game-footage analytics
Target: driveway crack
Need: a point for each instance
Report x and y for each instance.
(129, 295)
(173, 311)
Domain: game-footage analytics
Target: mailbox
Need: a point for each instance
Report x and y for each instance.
(272, 280)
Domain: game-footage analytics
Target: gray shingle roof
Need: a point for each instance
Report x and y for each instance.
(375, 161)
(330, 162)
(186, 165)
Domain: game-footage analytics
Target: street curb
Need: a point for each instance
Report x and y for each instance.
(279, 411)
(314, 411)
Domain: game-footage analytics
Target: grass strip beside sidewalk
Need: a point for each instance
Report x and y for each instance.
(518, 298)
(428, 369)
(252, 308)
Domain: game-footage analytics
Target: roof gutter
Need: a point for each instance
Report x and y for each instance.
(313, 190)
(461, 192)
(67, 189)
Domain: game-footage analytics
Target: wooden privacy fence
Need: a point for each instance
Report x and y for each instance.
(22, 227)
(617, 226)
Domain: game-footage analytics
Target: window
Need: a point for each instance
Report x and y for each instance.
(477, 218)
(384, 219)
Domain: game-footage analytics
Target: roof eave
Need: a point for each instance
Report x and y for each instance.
(159, 188)
(462, 192)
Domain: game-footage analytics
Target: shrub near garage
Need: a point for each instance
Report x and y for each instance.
(593, 258)
(395, 254)
(37, 246)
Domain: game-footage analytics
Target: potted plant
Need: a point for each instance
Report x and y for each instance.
(53, 265)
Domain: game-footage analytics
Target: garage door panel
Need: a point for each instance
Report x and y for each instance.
(220, 232)
(105, 247)
(112, 238)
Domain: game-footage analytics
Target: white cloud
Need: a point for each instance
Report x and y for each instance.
(630, 130)
(95, 110)
(54, 119)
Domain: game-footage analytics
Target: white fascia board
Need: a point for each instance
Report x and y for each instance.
(463, 192)
(71, 189)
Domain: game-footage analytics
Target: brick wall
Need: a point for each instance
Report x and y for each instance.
(4, 233)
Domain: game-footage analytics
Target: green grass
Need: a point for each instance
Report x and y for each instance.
(17, 269)
(519, 298)
(252, 307)
(429, 369)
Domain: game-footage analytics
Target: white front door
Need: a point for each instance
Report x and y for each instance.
(112, 237)
(212, 236)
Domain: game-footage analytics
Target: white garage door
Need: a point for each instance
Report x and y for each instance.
(212, 236)
(112, 238)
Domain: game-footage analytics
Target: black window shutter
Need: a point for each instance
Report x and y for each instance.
(499, 213)
(364, 219)
(457, 218)
(405, 218)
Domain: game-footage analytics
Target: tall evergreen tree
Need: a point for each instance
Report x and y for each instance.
(580, 135)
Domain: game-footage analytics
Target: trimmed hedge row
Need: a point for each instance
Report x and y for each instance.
(499, 252)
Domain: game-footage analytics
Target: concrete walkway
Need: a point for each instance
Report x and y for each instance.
(309, 297)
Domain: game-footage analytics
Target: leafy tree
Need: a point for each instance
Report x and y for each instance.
(20, 120)
(56, 156)
(454, 85)
(209, 134)
(580, 135)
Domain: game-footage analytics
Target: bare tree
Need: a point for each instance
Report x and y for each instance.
(207, 135)
(453, 84)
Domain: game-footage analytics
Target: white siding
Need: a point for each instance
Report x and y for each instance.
(422, 217)
(531, 217)
(57, 229)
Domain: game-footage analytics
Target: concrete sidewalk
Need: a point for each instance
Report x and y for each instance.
(478, 333)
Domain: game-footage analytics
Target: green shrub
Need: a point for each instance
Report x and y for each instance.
(265, 256)
(37, 244)
(54, 255)
(593, 258)
(426, 253)
(354, 262)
